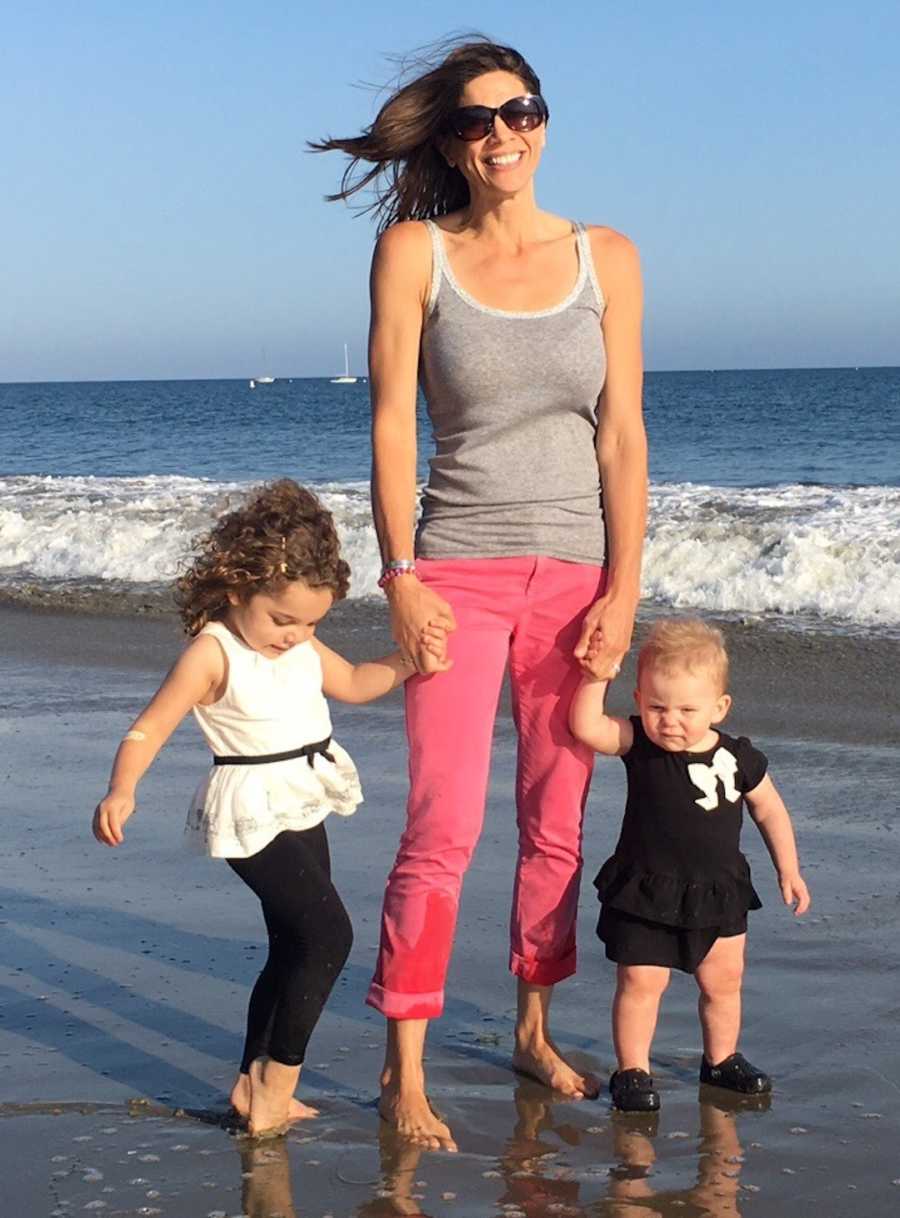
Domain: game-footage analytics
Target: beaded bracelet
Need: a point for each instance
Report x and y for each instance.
(398, 566)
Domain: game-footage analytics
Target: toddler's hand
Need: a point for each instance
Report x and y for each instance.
(110, 816)
(597, 665)
(795, 893)
(433, 649)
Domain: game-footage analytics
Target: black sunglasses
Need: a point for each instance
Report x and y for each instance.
(524, 113)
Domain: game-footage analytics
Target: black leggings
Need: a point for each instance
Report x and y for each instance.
(309, 940)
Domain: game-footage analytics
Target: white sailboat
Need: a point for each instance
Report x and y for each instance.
(346, 379)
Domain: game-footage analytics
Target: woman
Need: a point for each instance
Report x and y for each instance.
(525, 330)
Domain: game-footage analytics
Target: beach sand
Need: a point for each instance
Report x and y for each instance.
(124, 973)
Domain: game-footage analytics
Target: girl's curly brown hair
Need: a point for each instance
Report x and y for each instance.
(283, 533)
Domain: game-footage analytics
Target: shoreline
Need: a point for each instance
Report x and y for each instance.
(155, 601)
(796, 684)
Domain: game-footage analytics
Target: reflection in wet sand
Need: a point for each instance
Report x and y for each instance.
(537, 1184)
(719, 1160)
(396, 1194)
(266, 1179)
(527, 1160)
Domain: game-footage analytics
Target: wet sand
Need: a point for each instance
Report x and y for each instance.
(124, 973)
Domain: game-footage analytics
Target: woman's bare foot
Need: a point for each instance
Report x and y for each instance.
(407, 1110)
(240, 1102)
(404, 1105)
(536, 1056)
(541, 1060)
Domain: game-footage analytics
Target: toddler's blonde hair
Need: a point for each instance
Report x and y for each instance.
(679, 644)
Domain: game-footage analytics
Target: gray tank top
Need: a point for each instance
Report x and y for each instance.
(513, 401)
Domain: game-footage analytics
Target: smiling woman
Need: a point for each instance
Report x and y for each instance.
(524, 328)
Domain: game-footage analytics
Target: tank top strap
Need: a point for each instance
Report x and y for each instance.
(438, 262)
(586, 258)
(234, 650)
(219, 631)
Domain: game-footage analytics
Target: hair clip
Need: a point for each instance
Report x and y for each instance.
(283, 564)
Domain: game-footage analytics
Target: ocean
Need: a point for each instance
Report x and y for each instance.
(774, 494)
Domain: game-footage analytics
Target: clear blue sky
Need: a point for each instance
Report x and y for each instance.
(160, 217)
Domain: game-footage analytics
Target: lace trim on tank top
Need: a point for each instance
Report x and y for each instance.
(441, 269)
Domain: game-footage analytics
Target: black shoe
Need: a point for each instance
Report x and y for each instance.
(735, 1074)
(633, 1091)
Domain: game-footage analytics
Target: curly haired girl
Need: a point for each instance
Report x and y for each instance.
(256, 677)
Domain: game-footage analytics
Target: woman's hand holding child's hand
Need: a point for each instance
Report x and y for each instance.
(596, 664)
(109, 818)
(795, 893)
(606, 636)
(433, 649)
(416, 611)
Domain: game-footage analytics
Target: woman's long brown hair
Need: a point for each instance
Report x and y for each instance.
(399, 154)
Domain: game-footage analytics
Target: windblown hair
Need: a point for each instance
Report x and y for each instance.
(685, 644)
(282, 534)
(410, 178)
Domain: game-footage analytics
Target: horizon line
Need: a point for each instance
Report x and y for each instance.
(148, 380)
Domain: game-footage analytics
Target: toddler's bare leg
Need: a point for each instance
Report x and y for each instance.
(719, 977)
(639, 989)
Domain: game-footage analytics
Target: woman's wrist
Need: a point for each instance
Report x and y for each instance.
(623, 588)
(396, 587)
(394, 568)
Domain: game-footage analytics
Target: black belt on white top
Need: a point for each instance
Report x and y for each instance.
(308, 751)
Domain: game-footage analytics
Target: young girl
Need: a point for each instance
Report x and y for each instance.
(677, 890)
(255, 677)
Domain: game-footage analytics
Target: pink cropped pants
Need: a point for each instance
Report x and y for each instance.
(527, 612)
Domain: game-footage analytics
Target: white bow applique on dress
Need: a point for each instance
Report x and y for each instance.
(706, 778)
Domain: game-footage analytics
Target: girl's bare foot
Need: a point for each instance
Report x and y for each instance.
(407, 1110)
(272, 1104)
(240, 1102)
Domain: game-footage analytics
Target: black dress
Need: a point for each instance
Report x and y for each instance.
(678, 881)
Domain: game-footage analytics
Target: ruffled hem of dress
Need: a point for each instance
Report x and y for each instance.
(236, 811)
(240, 841)
(674, 901)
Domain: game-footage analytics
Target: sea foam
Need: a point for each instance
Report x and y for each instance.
(831, 554)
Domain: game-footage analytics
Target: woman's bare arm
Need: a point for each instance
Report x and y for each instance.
(400, 285)
(621, 453)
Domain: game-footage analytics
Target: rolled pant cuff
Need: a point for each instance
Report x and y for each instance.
(394, 1005)
(542, 972)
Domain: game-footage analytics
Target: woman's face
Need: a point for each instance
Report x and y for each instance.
(504, 161)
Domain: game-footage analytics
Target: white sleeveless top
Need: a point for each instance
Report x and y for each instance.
(269, 706)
